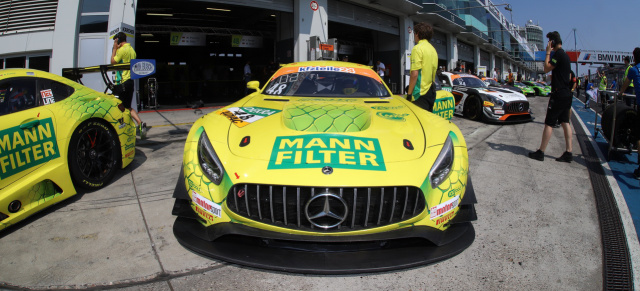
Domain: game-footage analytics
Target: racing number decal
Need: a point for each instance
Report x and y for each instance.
(276, 89)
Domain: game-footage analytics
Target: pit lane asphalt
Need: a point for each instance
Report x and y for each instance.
(537, 226)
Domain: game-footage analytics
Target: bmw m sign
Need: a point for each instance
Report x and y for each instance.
(142, 68)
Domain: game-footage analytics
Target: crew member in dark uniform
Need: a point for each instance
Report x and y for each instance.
(559, 107)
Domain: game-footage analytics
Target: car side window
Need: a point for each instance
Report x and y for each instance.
(17, 94)
(444, 80)
(458, 82)
(50, 91)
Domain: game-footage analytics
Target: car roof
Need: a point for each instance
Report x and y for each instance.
(21, 72)
(320, 66)
(457, 75)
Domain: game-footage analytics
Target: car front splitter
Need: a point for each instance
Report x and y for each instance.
(260, 250)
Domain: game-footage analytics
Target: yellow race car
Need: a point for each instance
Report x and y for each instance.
(56, 134)
(324, 171)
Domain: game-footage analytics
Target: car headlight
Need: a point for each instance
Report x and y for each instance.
(442, 166)
(209, 161)
(498, 103)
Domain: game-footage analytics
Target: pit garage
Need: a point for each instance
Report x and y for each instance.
(202, 47)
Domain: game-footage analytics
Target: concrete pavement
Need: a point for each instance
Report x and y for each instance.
(537, 226)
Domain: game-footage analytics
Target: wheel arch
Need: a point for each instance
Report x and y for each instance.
(108, 125)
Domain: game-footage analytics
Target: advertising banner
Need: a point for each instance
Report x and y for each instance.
(482, 71)
(188, 39)
(246, 41)
(141, 68)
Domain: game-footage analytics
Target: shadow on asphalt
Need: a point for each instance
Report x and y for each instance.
(521, 151)
(139, 159)
(154, 145)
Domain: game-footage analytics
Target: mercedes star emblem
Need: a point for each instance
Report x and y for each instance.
(327, 170)
(521, 107)
(326, 210)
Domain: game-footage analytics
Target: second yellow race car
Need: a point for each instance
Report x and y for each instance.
(324, 171)
(56, 134)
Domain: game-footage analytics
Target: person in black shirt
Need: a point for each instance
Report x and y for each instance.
(559, 107)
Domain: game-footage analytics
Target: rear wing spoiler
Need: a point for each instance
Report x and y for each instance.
(75, 74)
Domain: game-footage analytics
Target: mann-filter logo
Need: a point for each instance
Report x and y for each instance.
(444, 107)
(21, 149)
(320, 150)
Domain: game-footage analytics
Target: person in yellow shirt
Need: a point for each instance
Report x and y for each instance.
(627, 65)
(424, 64)
(122, 52)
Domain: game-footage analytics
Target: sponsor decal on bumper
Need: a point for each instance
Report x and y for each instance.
(207, 205)
(444, 208)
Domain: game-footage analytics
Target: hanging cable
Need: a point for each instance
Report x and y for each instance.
(124, 6)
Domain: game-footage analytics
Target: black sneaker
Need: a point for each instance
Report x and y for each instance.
(567, 157)
(537, 155)
(636, 173)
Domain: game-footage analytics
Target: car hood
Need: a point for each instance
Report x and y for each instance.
(504, 94)
(308, 130)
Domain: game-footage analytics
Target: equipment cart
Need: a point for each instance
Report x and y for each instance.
(616, 124)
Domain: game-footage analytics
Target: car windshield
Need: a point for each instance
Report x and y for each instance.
(520, 84)
(492, 82)
(469, 81)
(327, 83)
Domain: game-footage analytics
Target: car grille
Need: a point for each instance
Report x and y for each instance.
(366, 207)
(518, 107)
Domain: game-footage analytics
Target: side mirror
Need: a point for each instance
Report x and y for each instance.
(255, 85)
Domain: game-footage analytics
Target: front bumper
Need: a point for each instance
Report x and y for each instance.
(507, 118)
(384, 251)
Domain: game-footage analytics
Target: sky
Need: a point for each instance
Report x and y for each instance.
(612, 25)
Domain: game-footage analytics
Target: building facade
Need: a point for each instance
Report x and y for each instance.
(534, 35)
(201, 47)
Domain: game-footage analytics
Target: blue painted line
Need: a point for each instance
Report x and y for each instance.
(622, 165)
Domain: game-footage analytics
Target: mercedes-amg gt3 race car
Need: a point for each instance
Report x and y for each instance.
(476, 101)
(56, 134)
(324, 171)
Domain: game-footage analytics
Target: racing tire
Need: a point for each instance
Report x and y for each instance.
(94, 154)
(626, 119)
(473, 108)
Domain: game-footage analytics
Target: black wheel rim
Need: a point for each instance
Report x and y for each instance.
(473, 108)
(95, 155)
